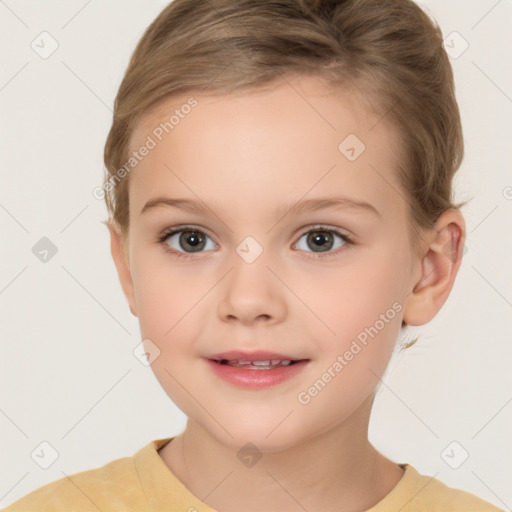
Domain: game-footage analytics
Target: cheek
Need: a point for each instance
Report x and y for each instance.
(355, 298)
(169, 308)
(167, 297)
(365, 314)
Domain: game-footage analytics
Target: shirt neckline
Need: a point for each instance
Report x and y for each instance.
(163, 488)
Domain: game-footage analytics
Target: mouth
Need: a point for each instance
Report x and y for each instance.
(268, 364)
(258, 360)
(255, 370)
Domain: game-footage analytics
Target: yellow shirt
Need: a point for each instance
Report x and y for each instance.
(144, 483)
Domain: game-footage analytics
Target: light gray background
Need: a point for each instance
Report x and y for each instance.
(68, 374)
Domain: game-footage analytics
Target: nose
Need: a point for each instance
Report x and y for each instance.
(251, 293)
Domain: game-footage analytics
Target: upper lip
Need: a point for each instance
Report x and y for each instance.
(260, 355)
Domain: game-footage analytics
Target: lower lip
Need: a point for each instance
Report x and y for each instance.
(256, 379)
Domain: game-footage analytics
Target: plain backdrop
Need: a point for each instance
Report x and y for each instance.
(68, 373)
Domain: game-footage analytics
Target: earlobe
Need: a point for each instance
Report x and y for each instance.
(439, 266)
(120, 256)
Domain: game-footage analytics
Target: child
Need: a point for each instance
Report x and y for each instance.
(256, 134)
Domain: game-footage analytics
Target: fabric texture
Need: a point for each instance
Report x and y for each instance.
(144, 483)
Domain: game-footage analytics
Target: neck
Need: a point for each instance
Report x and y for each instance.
(336, 470)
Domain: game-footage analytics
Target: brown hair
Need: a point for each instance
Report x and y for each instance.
(388, 50)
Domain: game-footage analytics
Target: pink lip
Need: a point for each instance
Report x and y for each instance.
(250, 378)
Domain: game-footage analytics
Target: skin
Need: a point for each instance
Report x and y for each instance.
(245, 155)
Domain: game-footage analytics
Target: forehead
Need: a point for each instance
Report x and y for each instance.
(306, 98)
(283, 139)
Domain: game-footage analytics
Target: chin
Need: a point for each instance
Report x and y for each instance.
(267, 435)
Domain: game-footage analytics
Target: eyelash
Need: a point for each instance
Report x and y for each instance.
(185, 256)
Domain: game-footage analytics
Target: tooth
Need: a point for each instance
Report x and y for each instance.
(261, 365)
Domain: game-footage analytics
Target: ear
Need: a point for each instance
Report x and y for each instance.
(440, 263)
(119, 251)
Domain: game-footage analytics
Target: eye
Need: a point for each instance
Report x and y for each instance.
(322, 238)
(189, 238)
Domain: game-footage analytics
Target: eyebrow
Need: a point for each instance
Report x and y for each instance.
(298, 208)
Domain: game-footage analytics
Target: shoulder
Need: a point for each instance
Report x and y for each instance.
(417, 492)
(110, 487)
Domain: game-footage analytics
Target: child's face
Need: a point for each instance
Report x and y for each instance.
(248, 157)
